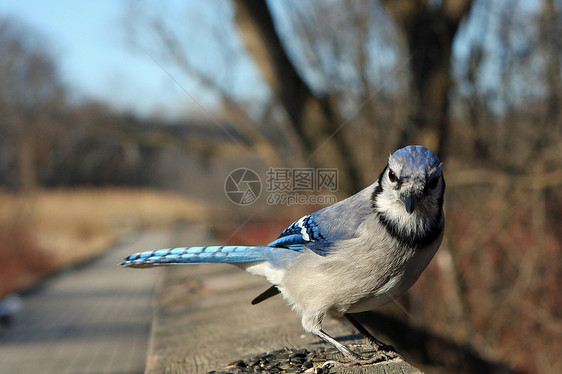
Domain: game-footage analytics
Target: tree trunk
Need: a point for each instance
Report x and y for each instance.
(551, 46)
(314, 119)
(429, 31)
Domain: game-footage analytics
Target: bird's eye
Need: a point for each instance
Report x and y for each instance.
(433, 183)
(392, 176)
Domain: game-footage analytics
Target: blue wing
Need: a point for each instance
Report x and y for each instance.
(303, 233)
(323, 229)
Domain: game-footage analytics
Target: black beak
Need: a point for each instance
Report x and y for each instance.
(410, 203)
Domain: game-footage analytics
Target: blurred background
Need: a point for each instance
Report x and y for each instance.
(117, 116)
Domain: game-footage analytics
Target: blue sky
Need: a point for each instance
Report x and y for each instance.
(88, 42)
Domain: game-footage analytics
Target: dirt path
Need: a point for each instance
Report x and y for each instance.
(95, 319)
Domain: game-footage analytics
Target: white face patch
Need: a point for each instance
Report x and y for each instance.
(410, 178)
(389, 203)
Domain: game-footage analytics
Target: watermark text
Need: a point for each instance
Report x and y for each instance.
(284, 186)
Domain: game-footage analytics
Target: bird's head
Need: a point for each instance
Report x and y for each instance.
(413, 177)
(410, 188)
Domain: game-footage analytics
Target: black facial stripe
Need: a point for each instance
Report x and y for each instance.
(378, 187)
(414, 240)
(442, 195)
(432, 183)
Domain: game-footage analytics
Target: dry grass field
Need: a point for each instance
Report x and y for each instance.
(49, 229)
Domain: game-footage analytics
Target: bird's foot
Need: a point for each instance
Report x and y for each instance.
(381, 355)
(388, 353)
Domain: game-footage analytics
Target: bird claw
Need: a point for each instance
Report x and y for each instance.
(381, 355)
(326, 366)
(378, 357)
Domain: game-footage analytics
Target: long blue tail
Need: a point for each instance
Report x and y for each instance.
(196, 255)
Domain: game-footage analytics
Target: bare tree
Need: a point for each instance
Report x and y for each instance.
(358, 70)
(351, 86)
(429, 29)
(173, 51)
(550, 29)
(30, 90)
(313, 118)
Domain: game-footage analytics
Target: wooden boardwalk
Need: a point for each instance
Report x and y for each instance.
(95, 319)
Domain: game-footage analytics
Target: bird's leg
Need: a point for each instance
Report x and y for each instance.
(354, 357)
(340, 347)
(377, 344)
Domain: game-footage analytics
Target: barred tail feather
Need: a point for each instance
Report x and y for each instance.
(196, 255)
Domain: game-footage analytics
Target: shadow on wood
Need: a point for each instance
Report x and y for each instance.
(428, 348)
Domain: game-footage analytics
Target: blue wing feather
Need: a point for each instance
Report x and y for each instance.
(304, 233)
(288, 241)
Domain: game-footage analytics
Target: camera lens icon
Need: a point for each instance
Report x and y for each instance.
(242, 186)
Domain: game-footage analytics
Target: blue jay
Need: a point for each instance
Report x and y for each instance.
(353, 256)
